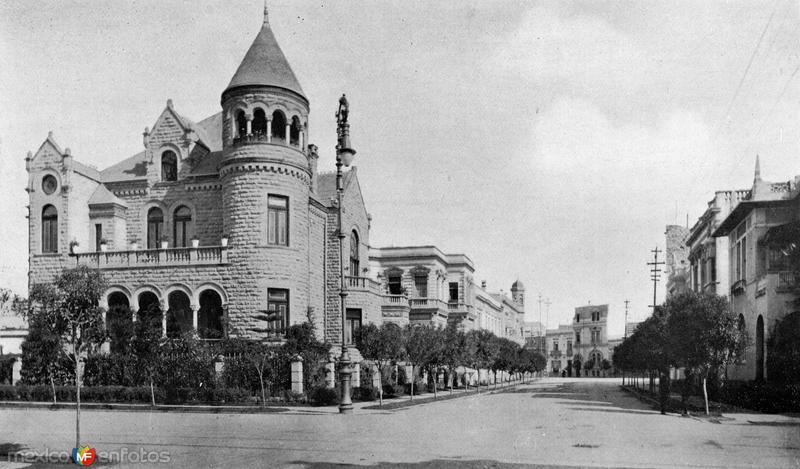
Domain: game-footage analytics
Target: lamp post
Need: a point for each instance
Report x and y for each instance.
(344, 156)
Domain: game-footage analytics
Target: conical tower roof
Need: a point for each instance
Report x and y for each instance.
(265, 65)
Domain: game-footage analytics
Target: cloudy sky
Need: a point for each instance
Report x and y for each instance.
(549, 141)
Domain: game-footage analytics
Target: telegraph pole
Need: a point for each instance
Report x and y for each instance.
(626, 319)
(541, 341)
(655, 273)
(547, 315)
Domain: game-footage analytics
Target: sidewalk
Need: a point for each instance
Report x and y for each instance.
(358, 406)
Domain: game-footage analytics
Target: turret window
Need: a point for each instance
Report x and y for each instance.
(260, 124)
(181, 226)
(241, 124)
(294, 131)
(155, 227)
(49, 229)
(278, 127)
(278, 220)
(169, 166)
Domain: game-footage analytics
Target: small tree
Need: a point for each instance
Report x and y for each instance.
(704, 334)
(422, 348)
(481, 350)
(70, 306)
(145, 346)
(453, 351)
(382, 345)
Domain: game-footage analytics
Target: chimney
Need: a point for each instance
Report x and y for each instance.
(483, 283)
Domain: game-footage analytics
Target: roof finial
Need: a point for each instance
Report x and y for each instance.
(266, 13)
(757, 176)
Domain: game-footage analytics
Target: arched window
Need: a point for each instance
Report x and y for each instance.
(209, 318)
(179, 314)
(241, 124)
(278, 127)
(49, 229)
(294, 132)
(155, 227)
(169, 166)
(260, 124)
(149, 313)
(354, 258)
(181, 226)
(119, 322)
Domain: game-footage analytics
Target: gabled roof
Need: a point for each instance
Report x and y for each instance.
(103, 196)
(265, 65)
(326, 186)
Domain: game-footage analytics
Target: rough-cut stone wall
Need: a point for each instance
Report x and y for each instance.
(317, 227)
(255, 264)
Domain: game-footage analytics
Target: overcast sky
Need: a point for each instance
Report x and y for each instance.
(548, 141)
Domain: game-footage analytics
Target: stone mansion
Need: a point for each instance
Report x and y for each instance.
(224, 226)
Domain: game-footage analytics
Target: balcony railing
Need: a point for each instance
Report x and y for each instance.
(426, 303)
(395, 300)
(362, 283)
(459, 307)
(154, 257)
(738, 287)
(787, 281)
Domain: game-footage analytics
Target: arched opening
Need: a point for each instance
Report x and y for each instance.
(119, 322)
(155, 227)
(355, 261)
(49, 229)
(179, 314)
(278, 127)
(760, 349)
(149, 313)
(169, 166)
(294, 132)
(241, 124)
(260, 124)
(181, 226)
(209, 318)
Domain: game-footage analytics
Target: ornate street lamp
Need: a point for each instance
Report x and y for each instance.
(344, 156)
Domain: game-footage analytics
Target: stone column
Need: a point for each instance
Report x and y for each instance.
(249, 118)
(163, 320)
(355, 379)
(269, 129)
(297, 374)
(16, 370)
(195, 310)
(288, 131)
(330, 376)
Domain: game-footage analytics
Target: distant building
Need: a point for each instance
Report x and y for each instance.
(590, 325)
(559, 349)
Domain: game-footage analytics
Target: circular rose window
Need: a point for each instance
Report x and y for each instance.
(49, 184)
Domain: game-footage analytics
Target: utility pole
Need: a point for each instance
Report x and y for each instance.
(626, 319)
(655, 274)
(547, 314)
(541, 341)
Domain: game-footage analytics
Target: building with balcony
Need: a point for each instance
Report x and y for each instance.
(558, 350)
(760, 231)
(590, 327)
(213, 220)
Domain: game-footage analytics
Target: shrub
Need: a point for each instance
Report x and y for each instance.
(367, 393)
(391, 390)
(765, 397)
(321, 396)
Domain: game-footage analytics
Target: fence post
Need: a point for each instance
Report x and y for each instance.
(219, 365)
(330, 376)
(297, 374)
(355, 380)
(16, 369)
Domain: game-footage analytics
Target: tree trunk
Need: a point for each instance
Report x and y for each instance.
(261, 381)
(53, 387)
(705, 393)
(380, 387)
(435, 383)
(152, 392)
(77, 399)
(412, 382)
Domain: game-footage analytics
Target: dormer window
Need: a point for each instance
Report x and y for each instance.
(169, 166)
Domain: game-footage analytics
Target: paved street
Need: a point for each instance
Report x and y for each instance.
(553, 422)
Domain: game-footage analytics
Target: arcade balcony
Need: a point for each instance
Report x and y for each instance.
(171, 257)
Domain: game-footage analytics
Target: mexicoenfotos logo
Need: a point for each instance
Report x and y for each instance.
(83, 456)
